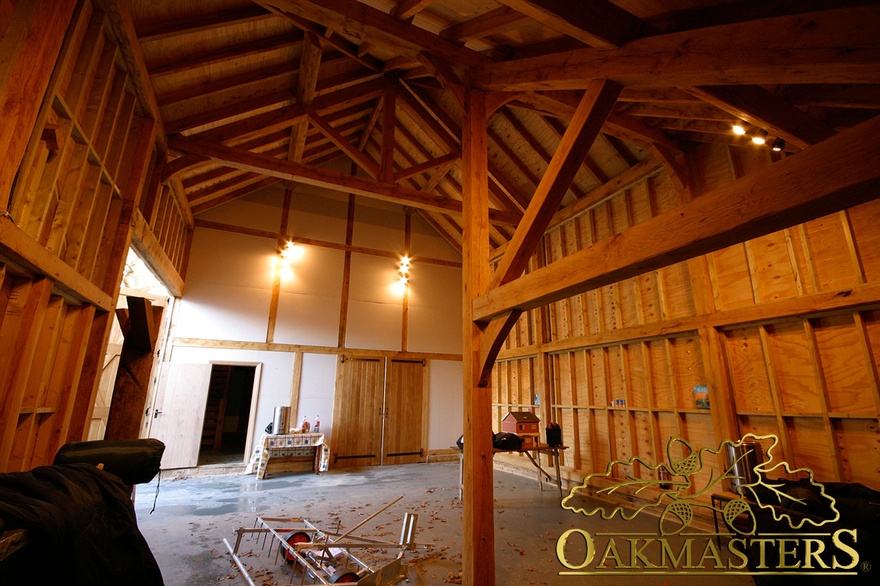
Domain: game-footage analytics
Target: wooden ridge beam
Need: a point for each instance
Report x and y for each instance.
(291, 171)
(838, 173)
(833, 46)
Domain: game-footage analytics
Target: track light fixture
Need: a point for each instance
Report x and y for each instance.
(778, 144)
(760, 137)
(739, 128)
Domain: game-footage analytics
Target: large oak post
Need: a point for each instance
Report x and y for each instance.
(479, 520)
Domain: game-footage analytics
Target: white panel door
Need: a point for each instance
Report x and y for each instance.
(180, 411)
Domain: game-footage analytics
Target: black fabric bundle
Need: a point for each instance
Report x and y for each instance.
(81, 526)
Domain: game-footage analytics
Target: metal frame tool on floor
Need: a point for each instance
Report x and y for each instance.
(323, 557)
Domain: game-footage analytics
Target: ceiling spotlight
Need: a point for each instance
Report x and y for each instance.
(778, 144)
(739, 129)
(760, 137)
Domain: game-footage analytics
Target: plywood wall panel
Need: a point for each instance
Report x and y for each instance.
(601, 222)
(592, 315)
(676, 291)
(641, 422)
(687, 370)
(829, 247)
(608, 305)
(660, 381)
(637, 377)
(732, 277)
(864, 220)
(859, 445)
(641, 205)
(648, 295)
(758, 425)
(616, 375)
(812, 447)
(621, 445)
(601, 441)
(748, 372)
(795, 372)
(564, 377)
(773, 268)
(713, 166)
(583, 441)
(619, 213)
(668, 427)
(599, 383)
(578, 315)
(843, 365)
(628, 302)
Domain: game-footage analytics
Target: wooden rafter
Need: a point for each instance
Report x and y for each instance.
(201, 23)
(595, 22)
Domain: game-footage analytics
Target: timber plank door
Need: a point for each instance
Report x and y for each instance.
(180, 411)
(358, 411)
(403, 439)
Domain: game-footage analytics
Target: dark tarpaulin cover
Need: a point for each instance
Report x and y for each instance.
(82, 528)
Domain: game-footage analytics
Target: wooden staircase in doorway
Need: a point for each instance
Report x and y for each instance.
(215, 408)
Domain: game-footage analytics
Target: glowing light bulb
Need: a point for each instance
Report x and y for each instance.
(739, 129)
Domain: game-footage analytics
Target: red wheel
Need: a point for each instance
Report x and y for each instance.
(293, 539)
(347, 578)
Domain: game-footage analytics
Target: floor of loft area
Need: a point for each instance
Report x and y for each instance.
(186, 521)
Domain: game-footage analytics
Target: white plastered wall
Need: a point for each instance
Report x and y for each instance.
(229, 287)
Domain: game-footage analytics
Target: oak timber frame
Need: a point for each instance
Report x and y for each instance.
(834, 173)
(782, 195)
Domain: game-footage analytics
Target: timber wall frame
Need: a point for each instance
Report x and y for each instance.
(77, 188)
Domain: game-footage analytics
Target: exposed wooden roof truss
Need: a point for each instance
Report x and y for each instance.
(251, 93)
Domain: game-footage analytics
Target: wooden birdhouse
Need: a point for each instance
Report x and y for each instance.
(525, 424)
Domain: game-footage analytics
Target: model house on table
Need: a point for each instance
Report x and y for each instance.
(525, 424)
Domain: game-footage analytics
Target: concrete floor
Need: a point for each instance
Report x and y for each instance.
(192, 516)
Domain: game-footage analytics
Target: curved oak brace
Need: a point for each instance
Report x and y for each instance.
(493, 337)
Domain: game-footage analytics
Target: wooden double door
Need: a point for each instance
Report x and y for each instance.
(380, 412)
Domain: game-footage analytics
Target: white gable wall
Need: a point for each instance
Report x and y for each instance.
(228, 296)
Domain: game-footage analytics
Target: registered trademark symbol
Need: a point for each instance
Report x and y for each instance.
(866, 566)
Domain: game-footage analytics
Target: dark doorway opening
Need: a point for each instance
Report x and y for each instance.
(227, 412)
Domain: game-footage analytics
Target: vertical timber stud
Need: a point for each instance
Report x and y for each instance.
(30, 42)
(479, 515)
